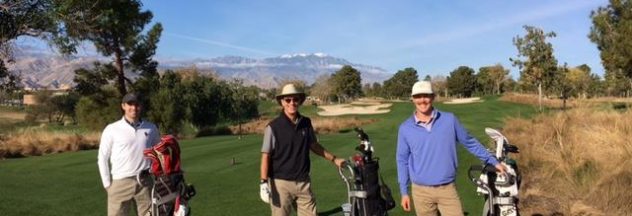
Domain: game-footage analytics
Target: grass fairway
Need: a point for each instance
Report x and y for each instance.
(69, 184)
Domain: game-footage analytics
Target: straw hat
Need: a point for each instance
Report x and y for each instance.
(422, 87)
(290, 90)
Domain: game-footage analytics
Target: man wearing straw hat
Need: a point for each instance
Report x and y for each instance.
(426, 155)
(285, 163)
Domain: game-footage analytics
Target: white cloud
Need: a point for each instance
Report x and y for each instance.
(522, 18)
(218, 43)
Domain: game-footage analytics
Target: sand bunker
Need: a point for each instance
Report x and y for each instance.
(358, 107)
(464, 100)
(12, 115)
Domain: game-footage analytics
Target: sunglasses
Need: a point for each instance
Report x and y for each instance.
(292, 99)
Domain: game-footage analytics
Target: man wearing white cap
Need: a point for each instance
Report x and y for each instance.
(285, 164)
(426, 156)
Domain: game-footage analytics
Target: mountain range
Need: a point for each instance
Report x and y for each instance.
(54, 71)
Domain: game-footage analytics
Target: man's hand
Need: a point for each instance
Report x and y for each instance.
(406, 203)
(264, 192)
(501, 168)
(339, 162)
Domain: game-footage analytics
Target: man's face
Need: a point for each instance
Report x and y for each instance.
(290, 104)
(423, 102)
(132, 110)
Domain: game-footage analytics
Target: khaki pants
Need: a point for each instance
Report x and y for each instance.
(428, 198)
(288, 195)
(123, 192)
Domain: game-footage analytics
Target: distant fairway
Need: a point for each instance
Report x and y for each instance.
(69, 184)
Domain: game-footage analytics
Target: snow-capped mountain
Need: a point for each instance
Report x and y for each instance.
(269, 72)
(39, 70)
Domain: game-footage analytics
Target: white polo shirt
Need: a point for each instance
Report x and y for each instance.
(121, 149)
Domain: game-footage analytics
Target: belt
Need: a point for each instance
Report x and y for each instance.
(436, 186)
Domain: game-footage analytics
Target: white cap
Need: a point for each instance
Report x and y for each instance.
(422, 87)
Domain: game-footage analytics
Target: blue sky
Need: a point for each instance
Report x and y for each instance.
(434, 37)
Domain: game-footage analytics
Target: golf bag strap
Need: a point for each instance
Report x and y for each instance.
(358, 194)
(504, 200)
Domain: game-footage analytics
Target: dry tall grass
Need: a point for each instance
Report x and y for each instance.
(321, 125)
(575, 162)
(35, 141)
(532, 99)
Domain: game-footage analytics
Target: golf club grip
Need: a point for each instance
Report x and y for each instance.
(489, 169)
(361, 134)
(480, 168)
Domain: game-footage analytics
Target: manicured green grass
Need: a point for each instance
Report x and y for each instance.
(69, 184)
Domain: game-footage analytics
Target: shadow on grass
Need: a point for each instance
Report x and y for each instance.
(333, 211)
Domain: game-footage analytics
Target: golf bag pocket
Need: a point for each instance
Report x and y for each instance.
(386, 195)
(165, 190)
(144, 178)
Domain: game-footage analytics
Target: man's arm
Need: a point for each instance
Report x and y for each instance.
(265, 161)
(103, 158)
(266, 148)
(321, 151)
(402, 156)
(472, 144)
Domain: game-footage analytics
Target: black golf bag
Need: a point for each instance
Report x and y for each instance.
(368, 195)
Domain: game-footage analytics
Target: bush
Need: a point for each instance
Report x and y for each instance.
(212, 131)
(620, 106)
(96, 112)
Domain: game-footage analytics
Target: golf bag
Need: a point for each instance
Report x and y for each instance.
(368, 195)
(169, 193)
(500, 190)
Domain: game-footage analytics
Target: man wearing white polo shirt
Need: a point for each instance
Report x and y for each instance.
(122, 166)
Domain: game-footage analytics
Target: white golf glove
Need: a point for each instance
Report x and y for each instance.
(264, 192)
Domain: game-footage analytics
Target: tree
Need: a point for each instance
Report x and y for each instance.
(372, 90)
(299, 84)
(491, 78)
(203, 99)
(21, 18)
(579, 79)
(562, 84)
(90, 81)
(510, 84)
(347, 83)
(98, 110)
(484, 83)
(597, 86)
(169, 109)
(427, 78)
(535, 59)
(115, 28)
(8, 81)
(440, 85)
(401, 83)
(611, 31)
(377, 90)
(462, 81)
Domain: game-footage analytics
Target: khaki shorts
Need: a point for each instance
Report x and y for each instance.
(123, 192)
(429, 199)
(289, 195)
